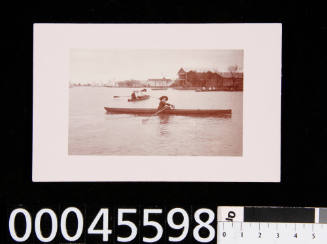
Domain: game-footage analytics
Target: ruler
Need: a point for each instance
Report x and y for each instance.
(267, 225)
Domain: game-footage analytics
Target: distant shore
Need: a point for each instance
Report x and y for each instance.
(197, 89)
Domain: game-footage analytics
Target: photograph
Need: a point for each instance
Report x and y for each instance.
(155, 102)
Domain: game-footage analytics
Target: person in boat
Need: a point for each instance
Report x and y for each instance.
(163, 105)
(142, 93)
(133, 95)
(138, 94)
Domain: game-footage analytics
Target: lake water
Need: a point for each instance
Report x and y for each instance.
(94, 132)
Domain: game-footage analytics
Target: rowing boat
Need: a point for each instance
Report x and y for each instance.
(140, 98)
(185, 112)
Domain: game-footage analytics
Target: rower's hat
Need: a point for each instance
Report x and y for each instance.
(162, 97)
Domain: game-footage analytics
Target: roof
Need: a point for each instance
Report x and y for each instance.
(181, 71)
(223, 74)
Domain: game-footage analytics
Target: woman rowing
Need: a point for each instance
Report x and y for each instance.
(163, 105)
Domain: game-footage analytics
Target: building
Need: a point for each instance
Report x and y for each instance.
(210, 79)
(233, 80)
(182, 76)
(163, 82)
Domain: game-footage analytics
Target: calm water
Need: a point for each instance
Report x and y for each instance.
(94, 132)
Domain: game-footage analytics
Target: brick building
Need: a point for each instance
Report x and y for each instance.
(210, 79)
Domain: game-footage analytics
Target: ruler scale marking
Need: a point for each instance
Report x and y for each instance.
(291, 225)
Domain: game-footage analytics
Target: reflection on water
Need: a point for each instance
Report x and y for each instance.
(164, 119)
(92, 131)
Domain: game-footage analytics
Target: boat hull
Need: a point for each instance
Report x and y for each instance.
(184, 112)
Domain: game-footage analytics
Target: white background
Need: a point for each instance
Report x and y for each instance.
(261, 102)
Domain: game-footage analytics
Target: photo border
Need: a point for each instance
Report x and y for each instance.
(261, 103)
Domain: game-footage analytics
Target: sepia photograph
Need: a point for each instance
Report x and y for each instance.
(156, 102)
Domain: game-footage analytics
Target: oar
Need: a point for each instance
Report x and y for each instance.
(154, 97)
(145, 120)
(120, 96)
(130, 96)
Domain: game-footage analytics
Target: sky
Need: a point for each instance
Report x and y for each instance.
(103, 65)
